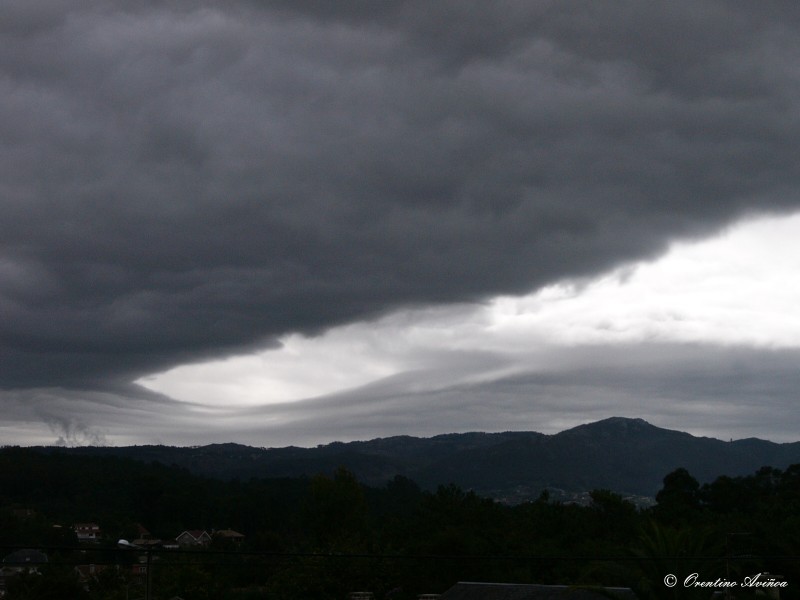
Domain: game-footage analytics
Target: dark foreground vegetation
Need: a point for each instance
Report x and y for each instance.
(328, 535)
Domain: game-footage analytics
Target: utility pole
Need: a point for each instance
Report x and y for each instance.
(148, 575)
(729, 556)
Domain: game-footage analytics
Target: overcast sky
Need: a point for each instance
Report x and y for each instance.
(292, 222)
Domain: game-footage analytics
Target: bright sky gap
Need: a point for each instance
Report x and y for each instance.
(736, 289)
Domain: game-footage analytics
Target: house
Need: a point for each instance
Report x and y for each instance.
(518, 591)
(145, 539)
(229, 535)
(193, 537)
(90, 571)
(139, 568)
(87, 532)
(142, 533)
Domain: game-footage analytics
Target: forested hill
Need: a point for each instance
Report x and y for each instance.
(325, 536)
(629, 456)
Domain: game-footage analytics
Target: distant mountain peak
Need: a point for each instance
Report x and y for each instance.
(623, 421)
(611, 425)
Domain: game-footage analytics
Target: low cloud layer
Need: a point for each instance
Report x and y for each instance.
(704, 339)
(192, 180)
(704, 389)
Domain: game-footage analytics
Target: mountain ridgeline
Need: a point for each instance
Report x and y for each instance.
(628, 456)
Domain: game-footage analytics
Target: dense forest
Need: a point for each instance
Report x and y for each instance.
(327, 535)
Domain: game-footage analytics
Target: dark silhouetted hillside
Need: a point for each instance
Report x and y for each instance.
(628, 456)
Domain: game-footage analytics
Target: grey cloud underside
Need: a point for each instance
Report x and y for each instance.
(722, 392)
(704, 389)
(179, 181)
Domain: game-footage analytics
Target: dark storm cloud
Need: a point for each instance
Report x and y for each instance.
(180, 180)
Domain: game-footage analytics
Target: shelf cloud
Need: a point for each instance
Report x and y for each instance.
(187, 182)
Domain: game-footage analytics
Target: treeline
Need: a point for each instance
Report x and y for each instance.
(328, 535)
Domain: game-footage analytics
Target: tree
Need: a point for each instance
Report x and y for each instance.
(679, 499)
(337, 510)
(662, 551)
(50, 583)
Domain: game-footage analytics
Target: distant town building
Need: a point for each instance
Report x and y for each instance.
(24, 513)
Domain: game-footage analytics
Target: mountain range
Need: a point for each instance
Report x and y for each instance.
(627, 456)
